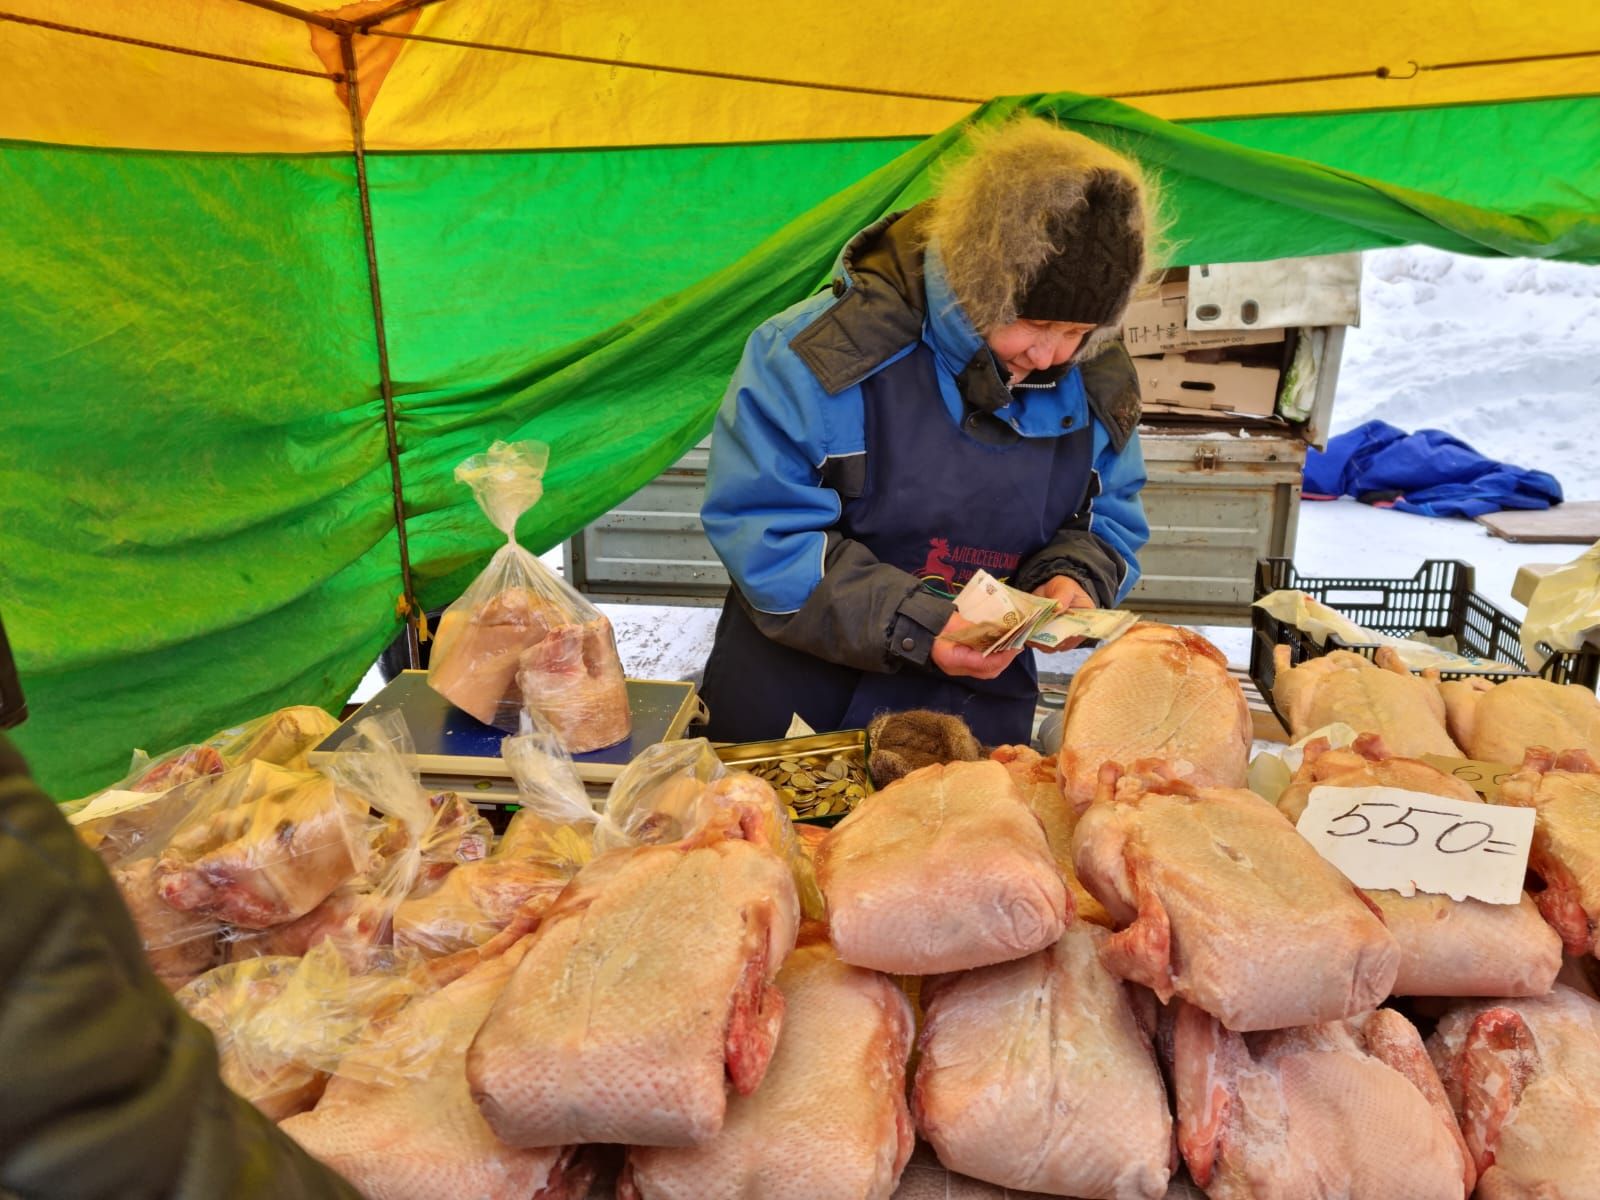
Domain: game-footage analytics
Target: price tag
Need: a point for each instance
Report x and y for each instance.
(110, 803)
(1484, 778)
(1412, 842)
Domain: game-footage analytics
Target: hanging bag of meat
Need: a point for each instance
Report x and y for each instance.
(519, 635)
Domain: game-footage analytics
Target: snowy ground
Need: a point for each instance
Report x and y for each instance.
(1503, 353)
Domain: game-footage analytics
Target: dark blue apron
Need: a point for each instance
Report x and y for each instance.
(936, 502)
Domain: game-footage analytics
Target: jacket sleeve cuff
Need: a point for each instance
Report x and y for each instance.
(1102, 589)
(917, 622)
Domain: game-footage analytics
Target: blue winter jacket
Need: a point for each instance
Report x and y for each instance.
(790, 435)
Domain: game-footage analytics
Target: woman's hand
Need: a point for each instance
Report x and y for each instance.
(1068, 593)
(955, 659)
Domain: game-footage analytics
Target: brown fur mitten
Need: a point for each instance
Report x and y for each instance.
(902, 742)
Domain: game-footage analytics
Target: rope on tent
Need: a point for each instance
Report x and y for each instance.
(189, 51)
(358, 137)
(1380, 73)
(701, 72)
(1383, 73)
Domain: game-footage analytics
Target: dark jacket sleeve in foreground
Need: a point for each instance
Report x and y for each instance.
(107, 1088)
(863, 613)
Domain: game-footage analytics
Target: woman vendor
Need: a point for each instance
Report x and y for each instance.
(956, 402)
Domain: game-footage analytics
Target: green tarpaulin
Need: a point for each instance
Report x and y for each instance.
(196, 510)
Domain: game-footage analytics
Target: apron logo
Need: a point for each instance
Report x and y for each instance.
(935, 565)
(954, 566)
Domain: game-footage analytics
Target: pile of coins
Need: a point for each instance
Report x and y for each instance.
(815, 785)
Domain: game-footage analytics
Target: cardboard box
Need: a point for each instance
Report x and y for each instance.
(1173, 383)
(1157, 324)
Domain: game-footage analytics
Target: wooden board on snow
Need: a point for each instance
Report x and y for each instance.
(1578, 523)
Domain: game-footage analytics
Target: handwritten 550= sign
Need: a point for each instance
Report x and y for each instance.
(1411, 842)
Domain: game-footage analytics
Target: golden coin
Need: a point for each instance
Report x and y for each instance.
(821, 810)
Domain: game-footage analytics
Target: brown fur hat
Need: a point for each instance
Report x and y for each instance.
(1040, 214)
(902, 742)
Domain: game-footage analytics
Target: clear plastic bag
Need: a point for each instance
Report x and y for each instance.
(420, 840)
(548, 840)
(675, 790)
(264, 852)
(178, 944)
(111, 820)
(282, 738)
(489, 653)
(282, 1024)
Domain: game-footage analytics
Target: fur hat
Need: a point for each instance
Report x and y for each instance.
(1041, 222)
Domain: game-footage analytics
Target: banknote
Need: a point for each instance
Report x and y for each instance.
(1005, 619)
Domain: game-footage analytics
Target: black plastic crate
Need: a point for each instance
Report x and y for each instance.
(1438, 600)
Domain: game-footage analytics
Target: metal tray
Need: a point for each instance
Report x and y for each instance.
(847, 743)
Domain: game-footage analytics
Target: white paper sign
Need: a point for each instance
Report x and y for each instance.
(110, 803)
(1412, 842)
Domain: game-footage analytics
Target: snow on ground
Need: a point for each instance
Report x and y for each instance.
(1503, 353)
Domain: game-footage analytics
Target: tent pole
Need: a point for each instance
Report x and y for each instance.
(358, 137)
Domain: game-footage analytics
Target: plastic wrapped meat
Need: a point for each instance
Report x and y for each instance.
(115, 836)
(829, 1121)
(1564, 792)
(224, 1000)
(1524, 1077)
(573, 678)
(265, 862)
(1037, 1075)
(1350, 1108)
(475, 902)
(419, 1136)
(547, 842)
(1156, 692)
(943, 870)
(498, 627)
(177, 945)
(1447, 947)
(646, 989)
(476, 652)
(282, 1024)
(282, 738)
(1222, 902)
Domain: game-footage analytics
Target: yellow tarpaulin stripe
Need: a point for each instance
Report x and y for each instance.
(1168, 58)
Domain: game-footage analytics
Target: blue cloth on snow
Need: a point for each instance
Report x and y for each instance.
(1430, 473)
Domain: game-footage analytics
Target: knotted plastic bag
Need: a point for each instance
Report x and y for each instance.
(421, 838)
(675, 790)
(282, 1024)
(519, 634)
(283, 737)
(138, 845)
(547, 841)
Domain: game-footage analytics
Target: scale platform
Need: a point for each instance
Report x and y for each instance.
(460, 753)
